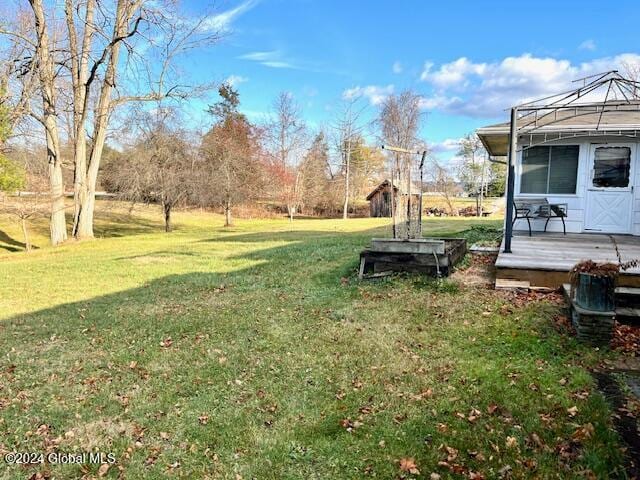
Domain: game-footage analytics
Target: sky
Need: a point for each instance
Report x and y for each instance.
(469, 60)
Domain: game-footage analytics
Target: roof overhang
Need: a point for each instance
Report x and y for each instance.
(496, 138)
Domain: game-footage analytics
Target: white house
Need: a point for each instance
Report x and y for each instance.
(579, 149)
(590, 162)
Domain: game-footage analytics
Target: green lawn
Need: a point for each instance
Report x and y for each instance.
(254, 352)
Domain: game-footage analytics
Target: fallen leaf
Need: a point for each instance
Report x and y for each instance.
(104, 468)
(573, 411)
(452, 453)
(511, 443)
(409, 465)
(583, 432)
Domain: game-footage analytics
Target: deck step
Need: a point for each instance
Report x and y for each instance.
(628, 297)
(628, 315)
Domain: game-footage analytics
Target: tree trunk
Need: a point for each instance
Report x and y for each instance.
(345, 208)
(101, 118)
(57, 223)
(79, 79)
(166, 207)
(227, 213)
(25, 233)
(46, 74)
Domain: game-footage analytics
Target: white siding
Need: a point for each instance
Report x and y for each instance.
(577, 202)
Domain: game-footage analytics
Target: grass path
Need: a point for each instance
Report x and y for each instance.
(254, 352)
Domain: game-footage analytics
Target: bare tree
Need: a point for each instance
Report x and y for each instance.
(348, 128)
(158, 168)
(43, 57)
(112, 52)
(29, 172)
(444, 183)
(147, 29)
(632, 72)
(286, 139)
(473, 168)
(399, 120)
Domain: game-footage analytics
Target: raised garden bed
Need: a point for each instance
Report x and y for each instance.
(428, 256)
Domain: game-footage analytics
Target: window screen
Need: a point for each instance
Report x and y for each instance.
(611, 167)
(550, 169)
(535, 170)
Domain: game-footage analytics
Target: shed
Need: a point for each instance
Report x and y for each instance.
(380, 198)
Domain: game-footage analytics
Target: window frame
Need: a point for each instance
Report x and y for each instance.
(520, 173)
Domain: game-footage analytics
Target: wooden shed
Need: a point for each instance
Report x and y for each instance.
(380, 199)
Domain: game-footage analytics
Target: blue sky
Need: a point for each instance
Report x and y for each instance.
(470, 60)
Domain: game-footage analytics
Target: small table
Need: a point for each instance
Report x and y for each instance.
(534, 208)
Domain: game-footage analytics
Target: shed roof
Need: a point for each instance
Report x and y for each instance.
(385, 183)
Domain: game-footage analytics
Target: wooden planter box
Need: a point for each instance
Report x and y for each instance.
(428, 256)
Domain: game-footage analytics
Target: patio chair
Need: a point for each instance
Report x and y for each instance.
(535, 208)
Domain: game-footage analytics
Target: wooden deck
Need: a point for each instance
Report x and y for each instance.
(545, 259)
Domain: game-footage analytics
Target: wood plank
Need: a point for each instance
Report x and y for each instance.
(397, 245)
(509, 284)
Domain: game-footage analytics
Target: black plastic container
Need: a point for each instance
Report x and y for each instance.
(595, 293)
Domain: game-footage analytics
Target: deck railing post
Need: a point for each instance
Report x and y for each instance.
(513, 144)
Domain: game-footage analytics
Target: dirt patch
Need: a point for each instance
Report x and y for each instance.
(481, 271)
(97, 434)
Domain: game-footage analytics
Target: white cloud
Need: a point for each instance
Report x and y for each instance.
(588, 45)
(272, 59)
(375, 93)
(487, 89)
(454, 73)
(222, 21)
(397, 67)
(235, 80)
(448, 145)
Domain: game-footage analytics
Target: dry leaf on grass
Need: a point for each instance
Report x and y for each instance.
(104, 468)
(409, 465)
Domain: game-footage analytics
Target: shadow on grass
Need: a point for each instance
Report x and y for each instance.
(155, 346)
(109, 224)
(10, 244)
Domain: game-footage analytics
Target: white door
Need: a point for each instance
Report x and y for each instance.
(610, 189)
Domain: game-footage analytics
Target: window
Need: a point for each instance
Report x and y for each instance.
(550, 169)
(611, 167)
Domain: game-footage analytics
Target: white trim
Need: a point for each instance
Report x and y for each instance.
(597, 129)
(628, 189)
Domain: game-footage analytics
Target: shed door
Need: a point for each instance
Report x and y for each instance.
(610, 189)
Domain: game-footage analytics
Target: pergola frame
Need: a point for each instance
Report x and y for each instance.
(622, 94)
